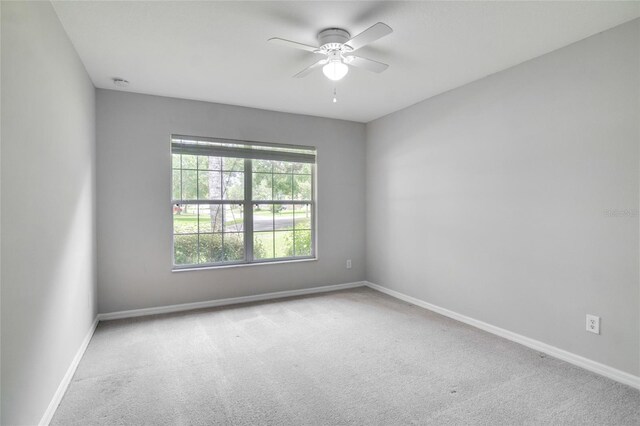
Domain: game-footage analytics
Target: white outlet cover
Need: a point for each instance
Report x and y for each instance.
(593, 324)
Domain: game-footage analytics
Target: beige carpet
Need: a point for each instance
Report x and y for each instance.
(348, 357)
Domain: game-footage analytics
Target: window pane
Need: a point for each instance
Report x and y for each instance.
(185, 249)
(233, 218)
(281, 166)
(233, 185)
(175, 184)
(302, 187)
(233, 246)
(189, 185)
(283, 216)
(263, 166)
(210, 218)
(210, 248)
(302, 217)
(175, 161)
(263, 245)
(189, 161)
(301, 168)
(209, 185)
(203, 162)
(284, 243)
(263, 217)
(298, 168)
(232, 164)
(282, 187)
(306, 168)
(262, 186)
(185, 219)
(303, 243)
(203, 185)
(209, 163)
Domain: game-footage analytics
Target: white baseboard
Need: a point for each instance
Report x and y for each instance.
(66, 380)
(580, 361)
(224, 302)
(587, 364)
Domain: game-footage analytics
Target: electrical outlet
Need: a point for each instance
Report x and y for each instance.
(593, 324)
(348, 263)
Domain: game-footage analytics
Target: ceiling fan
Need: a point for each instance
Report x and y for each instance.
(337, 46)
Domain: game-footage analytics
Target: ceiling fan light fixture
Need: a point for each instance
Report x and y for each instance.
(335, 70)
(336, 44)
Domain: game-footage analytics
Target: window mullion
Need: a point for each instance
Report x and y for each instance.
(248, 210)
(314, 212)
(197, 260)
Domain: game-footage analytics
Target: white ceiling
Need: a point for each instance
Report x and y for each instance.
(218, 51)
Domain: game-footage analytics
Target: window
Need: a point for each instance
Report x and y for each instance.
(237, 202)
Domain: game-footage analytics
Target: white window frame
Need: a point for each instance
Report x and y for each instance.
(249, 150)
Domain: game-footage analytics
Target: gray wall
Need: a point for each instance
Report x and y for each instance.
(134, 254)
(48, 208)
(494, 200)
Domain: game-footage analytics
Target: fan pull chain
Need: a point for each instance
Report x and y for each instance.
(335, 97)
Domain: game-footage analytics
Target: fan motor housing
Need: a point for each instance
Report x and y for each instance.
(333, 36)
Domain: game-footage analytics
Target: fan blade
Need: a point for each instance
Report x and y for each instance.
(369, 35)
(367, 64)
(295, 45)
(310, 68)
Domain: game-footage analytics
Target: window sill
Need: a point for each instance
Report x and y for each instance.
(242, 265)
